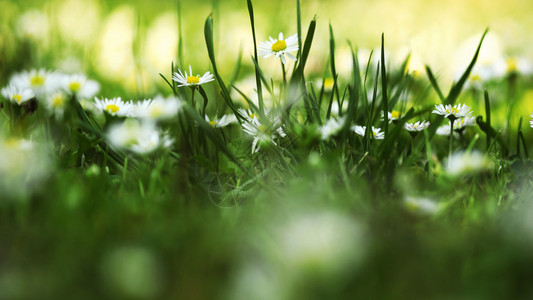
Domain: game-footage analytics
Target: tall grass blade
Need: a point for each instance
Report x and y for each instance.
(255, 59)
(384, 100)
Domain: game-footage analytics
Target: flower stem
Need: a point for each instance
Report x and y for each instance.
(450, 149)
(193, 103)
(284, 78)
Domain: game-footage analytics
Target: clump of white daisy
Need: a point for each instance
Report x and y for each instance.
(114, 106)
(249, 115)
(138, 137)
(514, 65)
(331, 128)
(422, 206)
(452, 112)
(79, 85)
(376, 132)
(462, 123)
(158, 109)
(417, 126)
(328, 243)
(191, 80)
(56, 102)
(219, 122)
(17, 95)
(392, 115)
(24, 164)
(279, 47)
(335, 109)
(459, 126)
(263, 134)
(39, 81)
(466, 162)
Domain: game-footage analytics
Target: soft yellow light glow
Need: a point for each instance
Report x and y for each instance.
(161, 42)
(78, 20)
(114, 59)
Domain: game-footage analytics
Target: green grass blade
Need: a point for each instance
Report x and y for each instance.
(208, 33)
(456, 88)
(332, 62)
(255, 59)
(434, 84)
(384, 100)
(211, 133)
(487, 115)
(299, 32)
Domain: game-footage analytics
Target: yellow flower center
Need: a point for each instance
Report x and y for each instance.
(262, 128)
(454, 110)
(395, 114)
(17, 98)
(511, 65)
(213, 123)
(279, 46)
(58, 101)
(253, 116)
(37, 80)
(156, 112)
(193, 79)
(112, 108)
(74, 86)
(374, 133)
(476, 78)
(328, 83)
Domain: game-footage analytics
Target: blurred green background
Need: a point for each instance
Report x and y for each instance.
(130, 42)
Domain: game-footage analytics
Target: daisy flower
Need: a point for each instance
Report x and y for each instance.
(55, 102)
(331, 128)
(114, 107)
(531, 121)
(393, 115)
(157, 109)
(39, 81)
(462, 123)
(249, 114)
(376, 132)
(81, 86)
(24, 164)
(138, 137)
(280, 47)
(219, 123)
(515, 65)
(466, 162)
(417, 126)
(185, 79)
(458, 126)
(262, 134)
(444, 130)
(422, 206)
(452, 112)
(17, 94)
